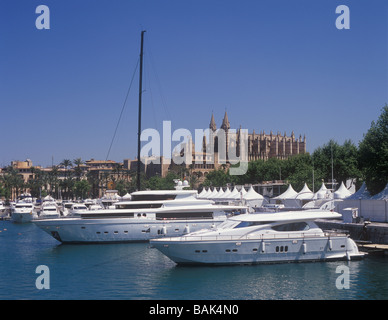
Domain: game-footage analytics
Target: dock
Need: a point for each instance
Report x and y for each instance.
(373, 248)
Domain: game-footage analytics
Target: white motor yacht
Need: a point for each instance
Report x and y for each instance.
(261, 238)
(76, 209)
(65, 208)
(49, 210)
(3, 211)
(23, 211)
(149, 214)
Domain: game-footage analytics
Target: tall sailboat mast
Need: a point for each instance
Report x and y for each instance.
(139, 121)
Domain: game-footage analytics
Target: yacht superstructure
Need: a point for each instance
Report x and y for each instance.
(261, 238)
(149, 214)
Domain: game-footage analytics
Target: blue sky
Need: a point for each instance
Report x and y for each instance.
(272, 65)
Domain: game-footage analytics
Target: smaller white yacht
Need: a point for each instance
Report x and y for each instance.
(3, 211)
(261, 238)
(23, 211)
(49, 210)
(65, 208)
(76, 209)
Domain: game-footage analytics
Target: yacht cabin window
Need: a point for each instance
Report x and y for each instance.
(152, 197)
(295, 226)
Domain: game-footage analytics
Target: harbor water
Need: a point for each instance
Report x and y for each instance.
(135, 271)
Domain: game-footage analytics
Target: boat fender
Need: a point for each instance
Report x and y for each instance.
(330, 244)
(304, 246)
(163, 230)
(262, 246)
(348, 255)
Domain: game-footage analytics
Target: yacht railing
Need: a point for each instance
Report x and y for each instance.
(272, 236)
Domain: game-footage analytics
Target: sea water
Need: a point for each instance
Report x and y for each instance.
(135, 271)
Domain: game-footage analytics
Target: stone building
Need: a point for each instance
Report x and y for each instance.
(261, 146)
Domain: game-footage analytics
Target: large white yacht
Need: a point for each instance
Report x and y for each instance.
(261, 238)
(149, 214)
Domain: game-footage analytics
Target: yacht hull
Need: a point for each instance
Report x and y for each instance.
(77, 230)
(186, 252)
(21, 217)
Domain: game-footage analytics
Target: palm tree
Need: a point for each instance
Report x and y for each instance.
(13, 182)
(66, 163)
(77, 170)
(53, 181)
(67, 183)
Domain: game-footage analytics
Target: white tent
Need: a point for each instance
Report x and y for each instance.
(220, 194)
(212, 194)
(253, 199)
(382, 195)
(342, 192)
(208, 193)
(235, 194)
(48, 198)
(305, 193)
(323, 193)
(126, 197)
(226, 193)
(290, 193)
(202, 193)
(251, 194)
(362, 193)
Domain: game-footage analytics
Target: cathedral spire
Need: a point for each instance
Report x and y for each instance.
(213, 125)
(225, 123)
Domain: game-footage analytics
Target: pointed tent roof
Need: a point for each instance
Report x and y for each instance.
(235, 194)
(382, 195)
(342, 192)
(203, 192)
(226, 193)
(322, 193)
(305, 193)
(362, 193)
(290, 193)
(213, 193)
(220, 193)
(126, 196)
(252, 195)
(208, 192)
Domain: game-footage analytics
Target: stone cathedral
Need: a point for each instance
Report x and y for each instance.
(264, 146)
(260, 146)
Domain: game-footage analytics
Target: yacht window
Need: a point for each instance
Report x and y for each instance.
(152, 197)
(227, 224)
(138, 206)
(244, 224)
(281, 249)
(184, 215)
(296, 226)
